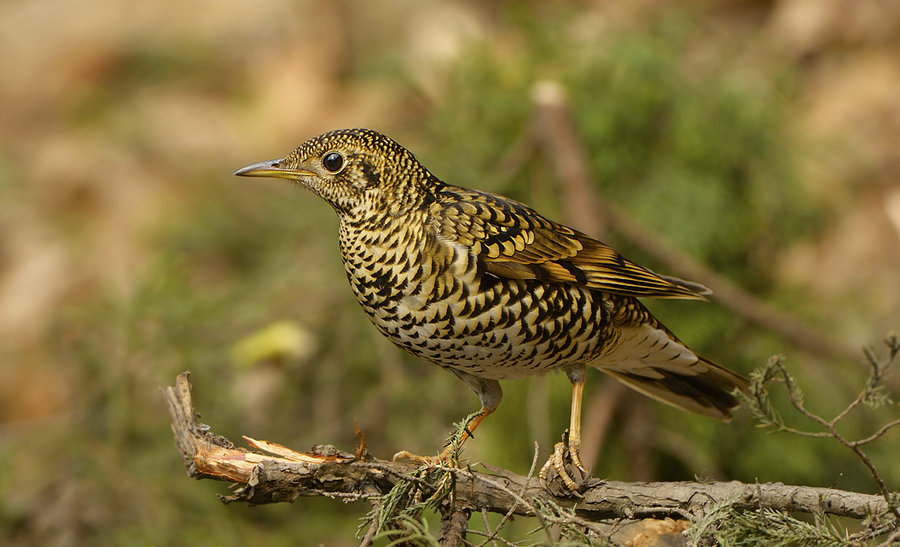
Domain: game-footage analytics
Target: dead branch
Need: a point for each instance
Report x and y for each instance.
(454, 524)
(284, 475)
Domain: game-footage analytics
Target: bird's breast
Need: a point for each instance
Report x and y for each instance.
(430, 297)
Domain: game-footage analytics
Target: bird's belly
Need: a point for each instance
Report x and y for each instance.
(508, 329)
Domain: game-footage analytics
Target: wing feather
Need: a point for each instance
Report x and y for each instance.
(513, 241)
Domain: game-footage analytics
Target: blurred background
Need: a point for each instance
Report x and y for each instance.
(758, 137)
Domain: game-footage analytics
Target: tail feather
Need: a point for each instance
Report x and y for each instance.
(651, 360)
(708, 393)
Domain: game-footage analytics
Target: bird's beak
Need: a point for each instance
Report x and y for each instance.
(272, 169)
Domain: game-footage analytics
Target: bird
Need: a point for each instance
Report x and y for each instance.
(489, 289)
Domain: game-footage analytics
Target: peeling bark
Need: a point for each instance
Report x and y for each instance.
(284, 474)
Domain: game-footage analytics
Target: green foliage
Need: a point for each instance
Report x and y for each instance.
(399, 512)
(401, 509)
(408, 530)
(571, 530)
(724, 525)
(778, 528)
(874, 394)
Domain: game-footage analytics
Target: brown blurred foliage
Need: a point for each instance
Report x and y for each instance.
(121, 119)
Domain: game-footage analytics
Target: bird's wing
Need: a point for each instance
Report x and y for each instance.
(513, 241)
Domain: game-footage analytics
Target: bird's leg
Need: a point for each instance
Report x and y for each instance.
(572, 437)
(575, 423)
(468, 433)
(489, 393)
(446, 455)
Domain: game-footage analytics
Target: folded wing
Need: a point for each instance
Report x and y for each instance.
(513, 241)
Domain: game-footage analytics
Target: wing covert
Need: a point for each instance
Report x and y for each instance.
(513, 241)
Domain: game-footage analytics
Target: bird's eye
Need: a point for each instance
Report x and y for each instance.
(333, 162)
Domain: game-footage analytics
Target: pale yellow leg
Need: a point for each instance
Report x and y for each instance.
(573, 436)
(575, 424)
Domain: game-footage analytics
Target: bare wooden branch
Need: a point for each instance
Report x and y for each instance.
(454, 524)
(285, 475)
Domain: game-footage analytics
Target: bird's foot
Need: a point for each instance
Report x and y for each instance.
(565, 462)
(445, 458)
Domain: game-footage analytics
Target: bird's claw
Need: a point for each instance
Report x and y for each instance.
(442, 459)
(557, 462)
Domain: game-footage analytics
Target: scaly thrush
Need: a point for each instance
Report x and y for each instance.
(490, 289)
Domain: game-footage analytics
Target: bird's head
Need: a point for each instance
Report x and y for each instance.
(357, 171)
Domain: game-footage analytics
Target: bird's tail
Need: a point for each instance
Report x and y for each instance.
(651, 360)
